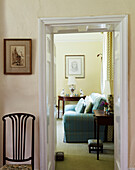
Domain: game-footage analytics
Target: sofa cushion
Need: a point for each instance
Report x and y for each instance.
(70, 107)
(97, 104)
(94, 96)
(70, 112)
(88, 108)
(80, 106)
(89, 105)
(87, 99)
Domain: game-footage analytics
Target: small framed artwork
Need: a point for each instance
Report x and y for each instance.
(75, 66)
(17, 56)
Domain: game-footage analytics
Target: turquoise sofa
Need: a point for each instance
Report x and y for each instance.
(79, 127)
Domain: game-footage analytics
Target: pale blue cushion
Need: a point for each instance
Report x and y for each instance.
(97, 103)
(94, 96)
(70, 107)
(80, 106)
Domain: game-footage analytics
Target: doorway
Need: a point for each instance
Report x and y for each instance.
(117, 24)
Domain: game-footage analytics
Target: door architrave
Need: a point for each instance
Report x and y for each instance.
(45, 23)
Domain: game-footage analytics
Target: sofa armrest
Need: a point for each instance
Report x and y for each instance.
(70, 107)
(79, 127)
(78, 121)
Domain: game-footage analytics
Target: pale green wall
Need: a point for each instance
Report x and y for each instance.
(19, 19)
(91, 82)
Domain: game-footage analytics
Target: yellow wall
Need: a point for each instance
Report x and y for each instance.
(19, 19)
(91, 82)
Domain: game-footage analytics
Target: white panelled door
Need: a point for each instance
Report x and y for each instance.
(120, 96)
(117, 115)
(50, 100)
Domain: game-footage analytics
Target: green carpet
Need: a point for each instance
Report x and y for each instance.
(77, 157)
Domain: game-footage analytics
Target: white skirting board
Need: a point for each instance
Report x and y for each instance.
(131, 168)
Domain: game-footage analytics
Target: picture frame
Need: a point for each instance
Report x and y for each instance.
(75, 66)
(17, 56)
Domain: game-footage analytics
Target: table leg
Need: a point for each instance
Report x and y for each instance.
(97, 141)
(63, 106)
(94, 128)
(106, 129)
(58, 108)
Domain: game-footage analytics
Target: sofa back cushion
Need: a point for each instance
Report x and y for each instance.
(97, 105)
(80, 106)
(94, 96)
(97, 99)
(88, 108)
(89, 105)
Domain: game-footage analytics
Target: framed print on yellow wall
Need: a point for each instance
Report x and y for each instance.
(17, 56)
(75, 66)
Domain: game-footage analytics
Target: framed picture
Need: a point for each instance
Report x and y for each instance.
(17, 56)
(75, 66)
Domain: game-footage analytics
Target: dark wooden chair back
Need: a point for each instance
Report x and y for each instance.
(19, 125)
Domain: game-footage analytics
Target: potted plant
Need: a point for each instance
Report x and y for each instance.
(105, 105)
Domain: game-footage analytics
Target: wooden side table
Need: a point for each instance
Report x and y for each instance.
(101, 119)
(67, 98)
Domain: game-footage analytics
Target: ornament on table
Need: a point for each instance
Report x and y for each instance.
(62, 92)
(81, 92)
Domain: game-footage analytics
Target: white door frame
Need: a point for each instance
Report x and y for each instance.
(116, 19)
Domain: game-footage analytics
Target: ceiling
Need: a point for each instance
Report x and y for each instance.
(78, 37)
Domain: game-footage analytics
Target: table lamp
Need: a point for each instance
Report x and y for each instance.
(71, 83)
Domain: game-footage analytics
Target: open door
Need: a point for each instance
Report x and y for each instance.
(49, 88)
(117, 101)
(46, 102)
(120, 98)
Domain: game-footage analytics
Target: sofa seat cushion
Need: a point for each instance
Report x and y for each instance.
(70, 112)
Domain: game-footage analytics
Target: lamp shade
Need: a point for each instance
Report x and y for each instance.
(107, 89)
(71, 80)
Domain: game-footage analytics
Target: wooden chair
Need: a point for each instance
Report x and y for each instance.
(19, 128)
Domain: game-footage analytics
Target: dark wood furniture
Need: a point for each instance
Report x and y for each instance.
(67, 98)
(101, 119)
(17, 124)
(92, 144)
